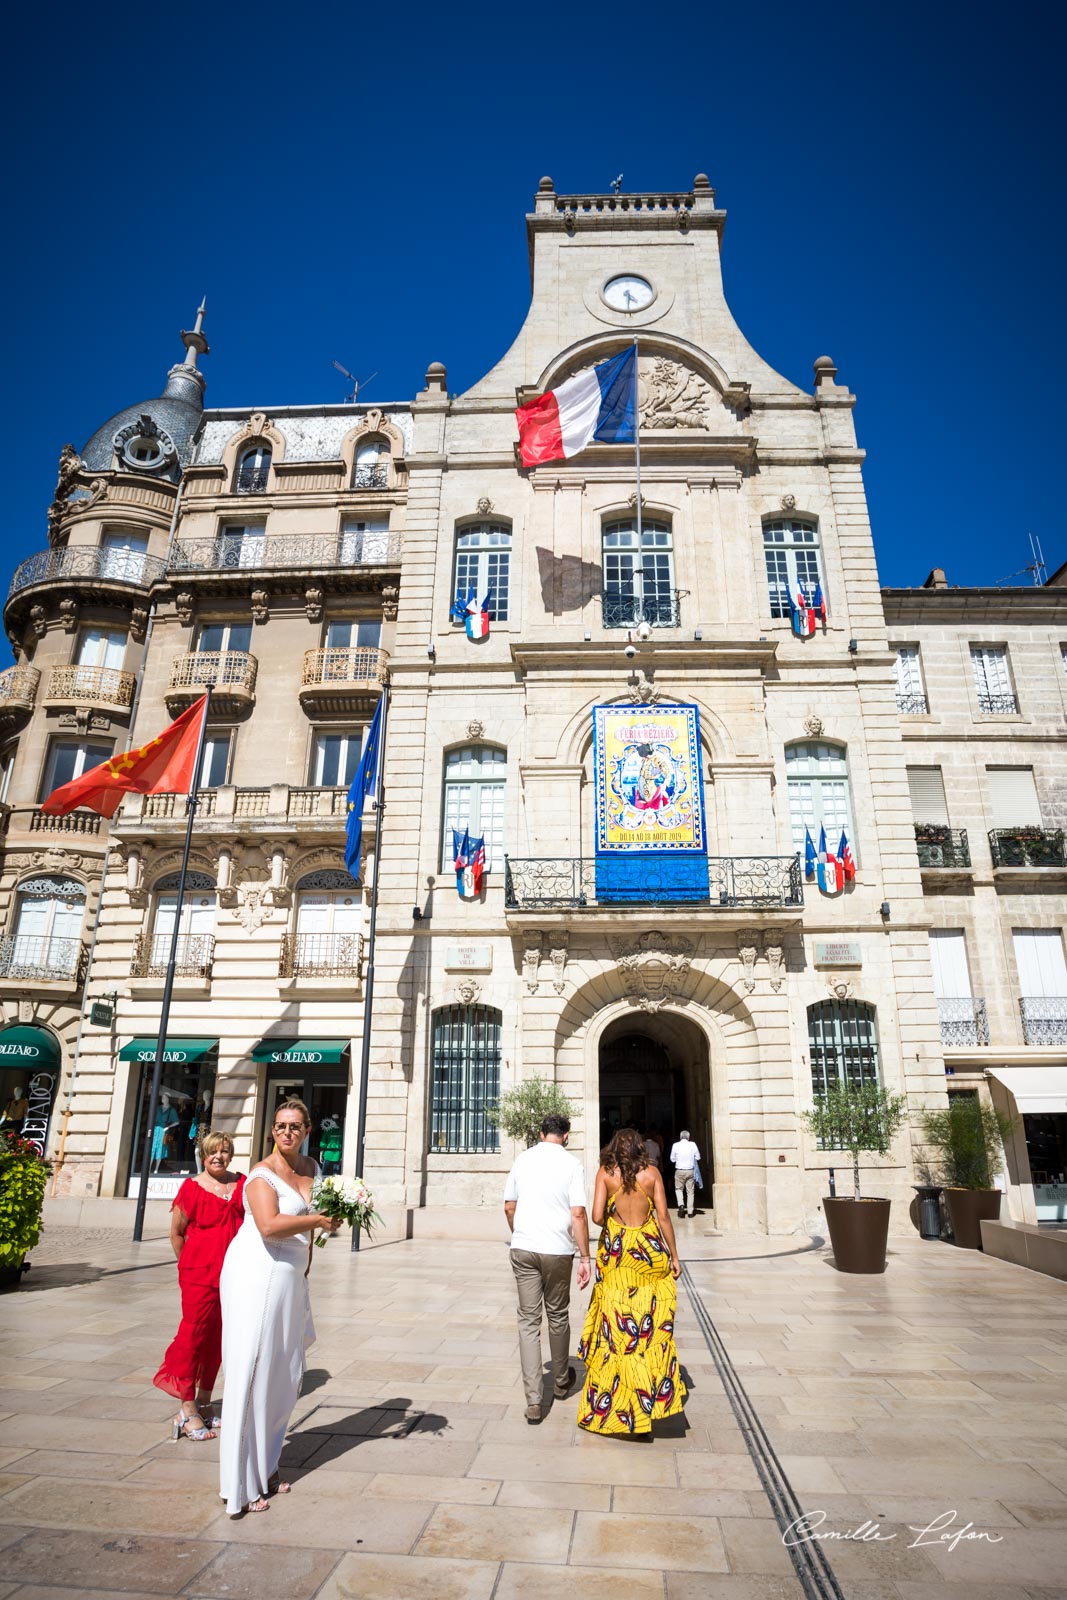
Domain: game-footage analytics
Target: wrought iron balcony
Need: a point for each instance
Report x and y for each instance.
(622, 609)
(1028, 847)
(39, 959)
(341, 679)
(940, 846)
(998, 705)
(18, 692)
(321, 955)
(912, 705)
(305, 552)
(230, 673)
(251, 480)
(90, 686)
(963, 1020)
(193, 957)
(376, 477)
(92, 563)
(1044, 1019)
(744, 882)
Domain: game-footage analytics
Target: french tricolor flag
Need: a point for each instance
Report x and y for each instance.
(598, 406)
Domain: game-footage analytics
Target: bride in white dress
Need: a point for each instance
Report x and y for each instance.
(266, 1314)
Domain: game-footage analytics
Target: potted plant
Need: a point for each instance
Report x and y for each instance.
(967, 1138)
(520, 1111)
(857, 1117)
(22, 1182)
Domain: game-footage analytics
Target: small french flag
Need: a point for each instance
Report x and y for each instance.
(818, 607)
(473, 613)
(469, 862)
(802, 615)
(846, 858)
(596, 406)
(830, 874)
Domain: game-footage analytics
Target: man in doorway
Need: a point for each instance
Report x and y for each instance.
(684, 1155)
(544, 1202)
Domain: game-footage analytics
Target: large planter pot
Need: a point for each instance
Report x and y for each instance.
(858, 1233)
(969, 1208)
(11, 1276)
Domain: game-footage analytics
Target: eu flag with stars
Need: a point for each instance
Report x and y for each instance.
(365, 779)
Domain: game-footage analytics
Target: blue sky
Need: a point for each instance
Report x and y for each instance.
(352, 185)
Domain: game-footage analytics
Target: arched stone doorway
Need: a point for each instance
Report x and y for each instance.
(655, 1076)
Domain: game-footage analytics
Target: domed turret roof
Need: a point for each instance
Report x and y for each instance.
(156, 436)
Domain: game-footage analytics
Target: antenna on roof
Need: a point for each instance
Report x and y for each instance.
(357, 384)
(1035, 566)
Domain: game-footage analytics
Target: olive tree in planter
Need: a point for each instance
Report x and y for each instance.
(23, 1175)
(860, 1118)
(967, 1138)
(520, 1111)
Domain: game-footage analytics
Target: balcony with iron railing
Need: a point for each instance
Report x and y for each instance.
(39, 958)
(998, 705)
(251, 480)
(90, 686)
(1028, 847)
(624, 609)
(321, 955)
(193, 958)
(964, 1020)
(342, 679)
(1044, 1019)
(734, 883)
(371, 477)
(18, 694)
(94, 566)
(912, 705)
(231, 675)
(941, 847)
(289, 552)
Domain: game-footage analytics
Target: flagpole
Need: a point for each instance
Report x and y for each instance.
(640, 567)
(168, 982)
(368, 996)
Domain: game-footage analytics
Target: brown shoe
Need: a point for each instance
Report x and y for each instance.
(533, 1415)
(561, 1393)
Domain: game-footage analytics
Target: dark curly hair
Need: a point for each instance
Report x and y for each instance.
(626, 1155)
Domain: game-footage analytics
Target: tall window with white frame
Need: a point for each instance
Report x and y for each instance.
(791, 552)
(372, 464)
(253, 469)
(326, 941)
(196, 928)
(842, 1044)
(474, 799)
(483, 563)
(335, 756)
(963, 1017)
(70, 758)
(992, 680)
(639, 575)
(817, 777)
(908, 672)
(240, 544)
(45, 943)
(1042, 969)
(124, 556)
(464, 1079)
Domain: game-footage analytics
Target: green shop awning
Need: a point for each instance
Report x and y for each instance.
(302, 1052)
(28, 1047)
(176, 1052)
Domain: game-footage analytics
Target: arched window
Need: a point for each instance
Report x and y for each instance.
(253, 469)
(842, 1044)
(639, 575)
(326, 941)
(196, 929)
(372, 464)
(483, 563)
(465, 1079)
(818, 793)
(474, 800)
(46, 943)
(791, 550)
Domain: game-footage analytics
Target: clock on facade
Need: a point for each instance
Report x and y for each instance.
(627, 292)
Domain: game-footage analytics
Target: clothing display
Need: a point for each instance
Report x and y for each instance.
(166, 1117)
(191, 1363)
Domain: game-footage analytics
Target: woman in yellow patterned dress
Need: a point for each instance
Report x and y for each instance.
(632, 1376)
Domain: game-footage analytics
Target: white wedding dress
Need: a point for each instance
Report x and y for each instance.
(266, 1330)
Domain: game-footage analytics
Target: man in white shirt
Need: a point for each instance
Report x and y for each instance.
(684, 1155)
(544, 1202)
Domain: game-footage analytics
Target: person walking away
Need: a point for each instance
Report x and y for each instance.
(652, 1149)
(544, 1202)
(632, 1376)
(685, 1155)
(204, 1218)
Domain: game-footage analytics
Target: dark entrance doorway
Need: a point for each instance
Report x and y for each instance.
(654, 1076)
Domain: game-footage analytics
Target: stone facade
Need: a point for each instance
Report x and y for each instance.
(296, 529)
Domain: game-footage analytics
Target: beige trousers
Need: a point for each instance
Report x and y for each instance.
(544, 1279)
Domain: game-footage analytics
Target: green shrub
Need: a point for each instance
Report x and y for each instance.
(520, 1111)
(855, 1117)
(967, 1137)
(22, 1179)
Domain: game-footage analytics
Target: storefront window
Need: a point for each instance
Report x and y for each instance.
(183, 1117)
(325, 1094)
(1046, 1146)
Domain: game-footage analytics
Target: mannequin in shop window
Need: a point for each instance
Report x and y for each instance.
(199, 1126)
(164, 1132)
(330, 1145)
(15, 1110)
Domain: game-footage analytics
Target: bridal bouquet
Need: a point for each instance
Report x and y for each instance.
(346, 1198)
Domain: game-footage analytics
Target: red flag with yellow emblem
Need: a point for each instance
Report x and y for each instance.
(164, 765)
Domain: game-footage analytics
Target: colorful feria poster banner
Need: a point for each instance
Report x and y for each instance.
(649, 787)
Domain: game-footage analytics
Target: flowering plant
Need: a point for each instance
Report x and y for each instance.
(349, 1199)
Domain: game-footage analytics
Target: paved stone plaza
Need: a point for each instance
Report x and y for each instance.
(938, 1388)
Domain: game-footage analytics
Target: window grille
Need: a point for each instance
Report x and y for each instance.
(465, 1077)
(842, 1044)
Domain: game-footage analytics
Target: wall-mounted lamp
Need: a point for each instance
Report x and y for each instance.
(883, 910)
(431, 651)
(853, 646)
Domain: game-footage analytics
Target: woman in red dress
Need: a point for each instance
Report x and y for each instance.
(204, 1218)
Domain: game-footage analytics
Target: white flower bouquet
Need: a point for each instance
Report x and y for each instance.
(349, 1199)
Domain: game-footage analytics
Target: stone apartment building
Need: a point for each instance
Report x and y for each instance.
(295, 558)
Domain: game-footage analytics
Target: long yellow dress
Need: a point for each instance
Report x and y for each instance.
(627, 1344)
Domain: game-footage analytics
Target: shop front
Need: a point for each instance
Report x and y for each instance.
(1040, 1096)
(30, 1064)
(183, 1117)
(317, 1072)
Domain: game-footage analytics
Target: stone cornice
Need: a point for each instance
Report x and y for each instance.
(934, 607)
(554, 655)
(565, 477)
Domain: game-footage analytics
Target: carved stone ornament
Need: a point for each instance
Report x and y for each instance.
(313, 599)
(531, 960)
(257, 424)
(39, 620)
(97, 491)
(642, 691)
(813, 725)
(773, 949)
(55, 859)
(390, 601)
(559, 962)
(631, 499)
(26, 1012)
(839, 985)
(652, 967)
(671, 396)
(185, 606)
(467, 992)
(788, 502)
(68, 611)
(748, 941)
(138, 624)
(475, 729)
(372, 422)
(255, 904)
(70, 464)
(485, 505)
(260, 605)
(738, 396)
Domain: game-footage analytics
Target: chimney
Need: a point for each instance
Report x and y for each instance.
(937, 579)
